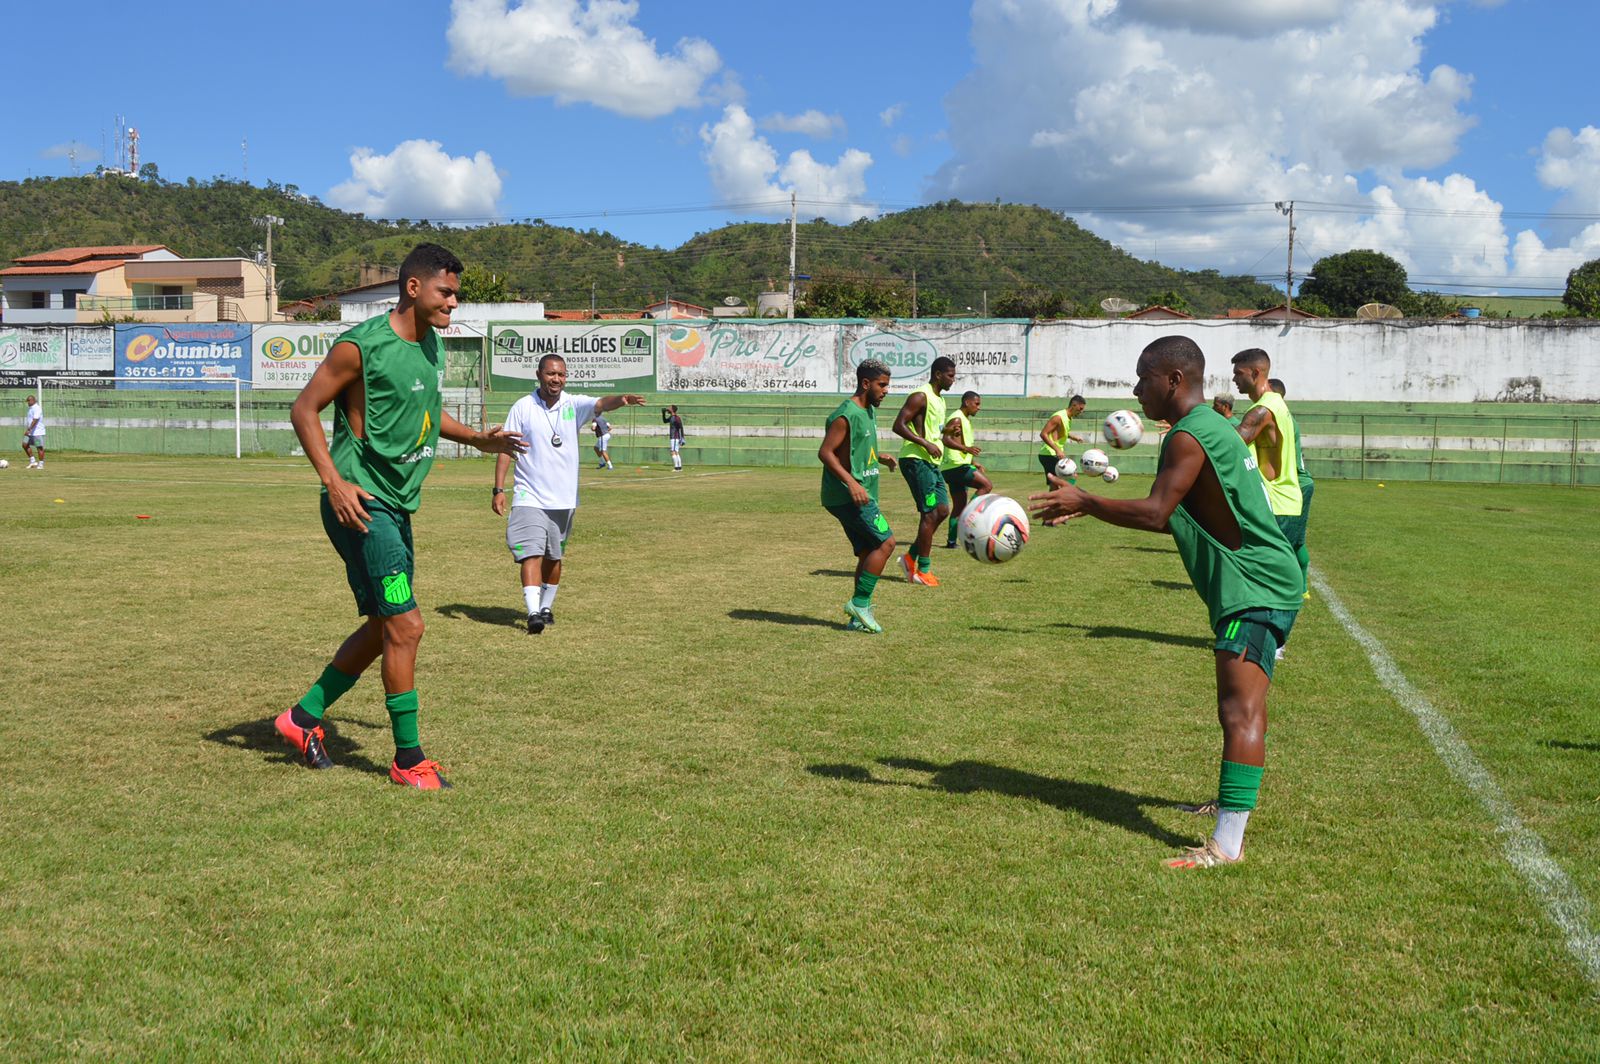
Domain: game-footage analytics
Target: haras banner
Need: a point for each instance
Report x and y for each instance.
(991, 358)
(26, 353)
(746, 356)
(600, 356)
(287, 355)
(182, 356)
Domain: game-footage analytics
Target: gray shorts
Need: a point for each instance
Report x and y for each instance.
(33, 441)
(532, 532)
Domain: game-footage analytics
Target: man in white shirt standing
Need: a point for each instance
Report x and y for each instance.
(544, 491)
(33, 434)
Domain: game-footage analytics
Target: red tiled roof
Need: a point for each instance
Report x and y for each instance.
(63, 255)
(1237, 312)
(97, 266)
(1155, 309)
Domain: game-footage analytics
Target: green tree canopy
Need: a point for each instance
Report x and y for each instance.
(478, 285)
(845, 295)
(1582, 296)
(1345, 281)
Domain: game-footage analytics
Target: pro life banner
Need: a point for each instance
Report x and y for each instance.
(991, 358)
(285, 356)
(600, 357)
(27, 353)
(787, 356)
(182, 356)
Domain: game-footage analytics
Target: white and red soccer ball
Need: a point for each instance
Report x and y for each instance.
(1122, 429)
(994, 528)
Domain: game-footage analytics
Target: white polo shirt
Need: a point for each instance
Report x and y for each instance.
(34, 412)
(545, 475)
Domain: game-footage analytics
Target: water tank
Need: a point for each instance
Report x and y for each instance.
(772, 305)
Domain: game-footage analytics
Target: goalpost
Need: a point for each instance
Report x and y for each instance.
(143, 415)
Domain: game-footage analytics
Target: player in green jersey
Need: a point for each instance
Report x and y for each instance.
(959, 466)
(850, 460)
(1208, 495)
(920, 424)
(383, 378)
(1307, 487)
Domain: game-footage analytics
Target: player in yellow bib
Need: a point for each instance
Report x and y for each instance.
(1056, 433)
(1270, 431)
(959, 466)
(920, 424)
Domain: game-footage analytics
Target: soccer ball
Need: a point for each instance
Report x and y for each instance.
(4, 464)
(1110, 475)
(994, 528)
(1122, 429)
(1066, 469)
(1095, 462)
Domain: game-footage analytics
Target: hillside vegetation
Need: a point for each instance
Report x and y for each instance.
(959, 254)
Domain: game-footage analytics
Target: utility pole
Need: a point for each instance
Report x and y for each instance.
(1288, 276)
(592, 314)
(270, 220)
(913, 291)
(986, 302)
(793, 213)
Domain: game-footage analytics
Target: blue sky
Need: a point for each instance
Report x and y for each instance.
(1451, 135)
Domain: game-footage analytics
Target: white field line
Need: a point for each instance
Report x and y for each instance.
(1566, 906)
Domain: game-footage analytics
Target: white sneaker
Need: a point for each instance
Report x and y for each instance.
(32, 464)
(1279, 655)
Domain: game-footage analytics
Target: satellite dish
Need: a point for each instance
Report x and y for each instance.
(732, 301)
(1378, 312)
(1118, 305)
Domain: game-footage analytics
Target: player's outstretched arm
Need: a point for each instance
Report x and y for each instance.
(338, 371)
(607, 403)
(1181, 464)
(494, 440)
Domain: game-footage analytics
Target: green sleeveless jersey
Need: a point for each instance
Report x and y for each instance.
(1263, 573)
(956, 459)
(1306, 483)
(402, 415)
(933, 419)
(1284, 489)
(1066, 427)
(862, 432)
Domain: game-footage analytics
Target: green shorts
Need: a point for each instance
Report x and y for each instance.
(928, 488)
(865, 526)
(960, 477)
(380, 562)
(1255, 633)
(1307, 487)
(1293, 528)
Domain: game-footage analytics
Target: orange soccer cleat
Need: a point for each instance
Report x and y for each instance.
(306, 740)
(424, 776)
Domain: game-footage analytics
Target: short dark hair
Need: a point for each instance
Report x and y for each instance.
(969, 394)
(1253, 356)
(1276, 385)
(870, 369)
(1079, 400)
(549, 358)
(942, 363)
(1177, 352)
(1224, 398)
(426, 260)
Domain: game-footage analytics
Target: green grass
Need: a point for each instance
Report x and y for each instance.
(699, 820)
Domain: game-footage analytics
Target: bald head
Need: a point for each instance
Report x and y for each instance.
(1175, 353)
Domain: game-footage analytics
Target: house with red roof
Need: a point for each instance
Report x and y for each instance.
(144, 282)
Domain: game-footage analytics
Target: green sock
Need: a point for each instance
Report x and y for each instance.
(330, 686)
(925, 564)
(1238, 786)
(1305, 565)
(865, 583)
(403, 718)
(950, 533)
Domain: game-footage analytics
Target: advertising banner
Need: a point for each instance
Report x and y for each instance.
(25, 353)
(766, 357)
(285, 356)
(600, 356)
(92, 349)
(991, 358)
(182, 356)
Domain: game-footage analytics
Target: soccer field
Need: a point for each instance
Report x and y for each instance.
(698, 819)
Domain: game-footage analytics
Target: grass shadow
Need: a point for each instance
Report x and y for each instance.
(1113, 631)
(834, 572)
(259, 735)
(1109, 805)
(1567, 744)
(1171, 585)
(774, 617)
(1148, 550)
(491, 615)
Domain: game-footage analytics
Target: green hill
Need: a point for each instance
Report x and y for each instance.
(960, 254)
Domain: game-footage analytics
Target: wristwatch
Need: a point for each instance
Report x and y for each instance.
(498, 491)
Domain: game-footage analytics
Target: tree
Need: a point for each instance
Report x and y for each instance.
(1347, 280)
(478, 285)
(1171, 299)
(1428, 305)
(1031, 302)
(843, 295)
(1582, 296)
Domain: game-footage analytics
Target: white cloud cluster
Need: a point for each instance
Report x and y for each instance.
(578, 52)
(1085, 104)
(419, 180)
(891, 114)
(743, 166)
(812, 123)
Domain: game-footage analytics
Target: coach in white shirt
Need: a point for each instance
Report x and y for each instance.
(544, 492)
(33, 434)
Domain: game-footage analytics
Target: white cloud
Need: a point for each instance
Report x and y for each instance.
(812, 123)
(1569, 162)
(902, 145)
(419, 180)
(1240, 18)
(579, 52)
(891, 114)
(743, 166)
